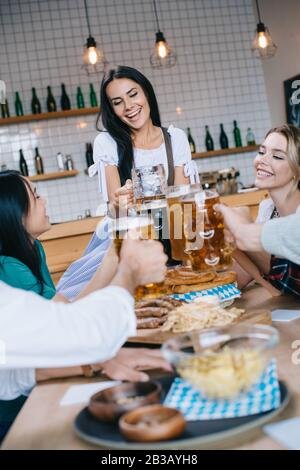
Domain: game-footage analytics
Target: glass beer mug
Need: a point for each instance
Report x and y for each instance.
(149, 183)
(175, 215)
(120, 229)
(204, 232)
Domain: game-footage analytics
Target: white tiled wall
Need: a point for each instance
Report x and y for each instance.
(215, 80)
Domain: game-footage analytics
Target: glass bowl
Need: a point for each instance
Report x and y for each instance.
(222, 362)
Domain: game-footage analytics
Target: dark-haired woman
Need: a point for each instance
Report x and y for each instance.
(133, 136)
(23, 219)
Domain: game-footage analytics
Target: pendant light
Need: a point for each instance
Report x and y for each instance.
(163, 55)
(92, 57)
(263, 46)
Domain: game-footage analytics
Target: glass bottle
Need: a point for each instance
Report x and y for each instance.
(80, 99)
(18, 105)
(5, 109)
(65, 102)
(220, 184)
(209, 143)
(35, 103)
(69, 163)
(237, 135)
(89, 155)
(223, 138)
(250, 137)
(60, 161)
(51, 104)
(93, 97)
(38, 163)
(22, 164)
(191, 141)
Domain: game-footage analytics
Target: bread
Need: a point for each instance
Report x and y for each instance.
(220, 279)
(177, 277)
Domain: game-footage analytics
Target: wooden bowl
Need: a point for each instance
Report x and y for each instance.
(152, 423)
(109, 404)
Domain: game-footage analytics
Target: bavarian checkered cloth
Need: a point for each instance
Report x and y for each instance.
(262, 397)
(225, 293)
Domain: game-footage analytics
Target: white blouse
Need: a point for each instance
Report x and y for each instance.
(105, 153)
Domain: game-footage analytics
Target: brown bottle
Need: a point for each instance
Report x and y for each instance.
(38, 162)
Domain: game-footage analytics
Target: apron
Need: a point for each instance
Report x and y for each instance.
(284, 274)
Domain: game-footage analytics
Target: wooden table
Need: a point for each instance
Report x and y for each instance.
(43, 424)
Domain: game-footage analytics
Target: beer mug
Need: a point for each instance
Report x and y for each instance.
(149, 183)
(144, 226)
(175, 215)
(204, 232)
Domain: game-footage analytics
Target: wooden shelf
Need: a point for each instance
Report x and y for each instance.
(231, 151)
(45, 116)
(54, 176)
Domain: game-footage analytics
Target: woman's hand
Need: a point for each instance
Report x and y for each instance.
(126, 365)
(123, 197)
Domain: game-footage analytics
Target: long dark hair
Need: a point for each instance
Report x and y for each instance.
(120, 132)
(15, 241)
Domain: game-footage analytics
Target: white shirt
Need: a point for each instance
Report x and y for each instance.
(105, 152)
(35, 332)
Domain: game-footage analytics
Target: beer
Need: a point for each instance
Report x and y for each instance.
(146, 230)
(176, 222)
(121, 227)
(204, 232)
(148, 202)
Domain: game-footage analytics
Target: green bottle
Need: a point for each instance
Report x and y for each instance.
(51, 104)
(23, 164)
(237, 135)
(65, 102)
(223, 138)
(18, 105)
(209, 143)
(35, 103)
(80, 99)
(93, 97)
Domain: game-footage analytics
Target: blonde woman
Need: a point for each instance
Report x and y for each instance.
(277, 169)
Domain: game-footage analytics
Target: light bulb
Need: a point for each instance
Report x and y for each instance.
(262, 40)
(162, 49)
(92, 55)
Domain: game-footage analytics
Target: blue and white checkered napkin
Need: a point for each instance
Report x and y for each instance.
(225, 293)
(262, 397)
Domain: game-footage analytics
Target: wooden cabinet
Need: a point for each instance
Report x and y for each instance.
(66, 242)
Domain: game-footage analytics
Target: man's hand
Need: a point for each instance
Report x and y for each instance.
(247, 235)
(145, 259)
(129, 361)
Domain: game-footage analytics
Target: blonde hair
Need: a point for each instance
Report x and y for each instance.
(292, 135)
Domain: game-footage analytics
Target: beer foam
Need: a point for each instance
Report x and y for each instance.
(129, 223)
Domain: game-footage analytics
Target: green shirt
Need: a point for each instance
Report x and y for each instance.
(16, 274)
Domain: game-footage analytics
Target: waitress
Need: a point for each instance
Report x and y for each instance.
(133, 136)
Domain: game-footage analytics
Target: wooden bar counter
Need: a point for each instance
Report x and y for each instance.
(44, 424)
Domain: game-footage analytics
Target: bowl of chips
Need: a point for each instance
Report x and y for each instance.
(224, 362)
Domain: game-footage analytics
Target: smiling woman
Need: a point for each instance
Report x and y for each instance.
(277, 169)
(133, 137)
